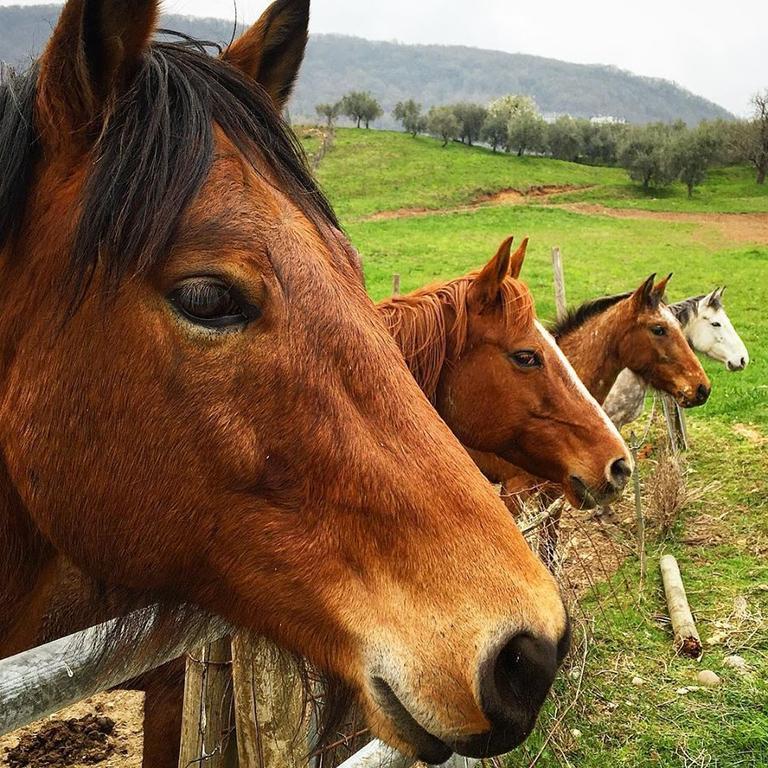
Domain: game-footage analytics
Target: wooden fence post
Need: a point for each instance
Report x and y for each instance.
(674, 417)
(269, 705)
(396, 284)
(561, 306)
(634, 445)
(207, 726)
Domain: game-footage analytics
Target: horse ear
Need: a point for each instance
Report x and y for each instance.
(486, 287)
(518, 257)
(660, 289)
(94, 51)
(643, 296)
(271, 51)
(715, 298)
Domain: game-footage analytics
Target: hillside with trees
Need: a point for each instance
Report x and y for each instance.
(432, 75)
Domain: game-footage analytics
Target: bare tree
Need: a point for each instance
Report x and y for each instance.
(329, 111)
(758, 155)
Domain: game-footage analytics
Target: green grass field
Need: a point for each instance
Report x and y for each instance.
(721, 539)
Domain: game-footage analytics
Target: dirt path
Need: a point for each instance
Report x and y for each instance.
(738, 227)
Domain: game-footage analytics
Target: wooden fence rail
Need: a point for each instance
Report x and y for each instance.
(43, 680)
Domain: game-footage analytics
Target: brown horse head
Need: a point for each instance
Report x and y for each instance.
(198, 400)
(636, 331)
(502, 384)
(654, 346)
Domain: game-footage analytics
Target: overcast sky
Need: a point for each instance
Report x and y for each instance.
(715, 49)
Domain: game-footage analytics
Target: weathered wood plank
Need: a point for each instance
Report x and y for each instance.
(268, 705)
(45, 679)
(208, 728)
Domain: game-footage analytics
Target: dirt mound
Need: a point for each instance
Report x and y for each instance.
(509, 196)
(83, 741)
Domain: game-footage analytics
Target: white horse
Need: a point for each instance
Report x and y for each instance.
(708, 330)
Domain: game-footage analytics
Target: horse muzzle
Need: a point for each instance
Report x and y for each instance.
(737, 365)
(513, 680)
(610, 490)
(698, 397)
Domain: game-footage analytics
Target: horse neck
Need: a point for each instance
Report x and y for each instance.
(595, 350)
(425, 332)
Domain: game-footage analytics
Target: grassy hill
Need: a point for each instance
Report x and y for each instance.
(637, 705)
(369, 172)
(431, 74)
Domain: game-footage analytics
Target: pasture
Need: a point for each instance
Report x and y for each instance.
(720, 536)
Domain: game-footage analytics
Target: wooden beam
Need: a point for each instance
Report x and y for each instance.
(561, 306)
(687, 640)
(45, 679)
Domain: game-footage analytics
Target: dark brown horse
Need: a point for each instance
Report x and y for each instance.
(199, 402)
(502, 384)
(604, 336)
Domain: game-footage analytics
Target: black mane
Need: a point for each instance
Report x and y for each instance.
(152, 158)
(576, 317)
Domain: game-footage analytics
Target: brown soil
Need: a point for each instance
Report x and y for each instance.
(592, 546)
(503, 197)
(736, 227)
(104, 730)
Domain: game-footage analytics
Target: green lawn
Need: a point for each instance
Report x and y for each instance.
(602, 256)
(721, 538)
(669, 719)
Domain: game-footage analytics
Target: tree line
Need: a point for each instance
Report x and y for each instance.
(654, 155)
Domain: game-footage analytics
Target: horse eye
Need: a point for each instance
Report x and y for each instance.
(211, 303)
(659, 330)
(716, 325)
(526, 358)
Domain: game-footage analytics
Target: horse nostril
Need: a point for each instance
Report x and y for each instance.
(702, 393)
(516, 682)
(743, 364)
(620, 472)
(513, 682)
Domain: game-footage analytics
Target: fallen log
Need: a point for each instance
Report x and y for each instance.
(687, 640)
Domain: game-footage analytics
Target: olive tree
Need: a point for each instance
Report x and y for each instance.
(525, 132)
(361, 107)
(329, 112)
(494, 131)
(645, 155)
(691, 154)
(442, 122)
(409, 114)
(470, 118)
